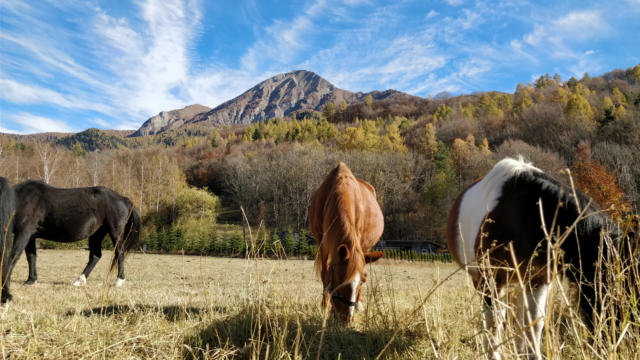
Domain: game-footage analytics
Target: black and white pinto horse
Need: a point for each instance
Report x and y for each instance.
(495, 226)
(67, 215)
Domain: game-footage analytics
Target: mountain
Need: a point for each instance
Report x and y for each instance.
(166, 120)
(281, 95)
(278, 96)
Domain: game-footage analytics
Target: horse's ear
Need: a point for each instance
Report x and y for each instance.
(344, 252)
(373, 256)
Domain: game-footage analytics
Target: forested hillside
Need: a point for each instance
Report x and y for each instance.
(417, 153)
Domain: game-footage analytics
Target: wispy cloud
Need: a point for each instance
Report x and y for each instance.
(117, 66)
(153, 62)
(18, 93)
(282, 40)
(454, 2)
(37, 124)
(558, 34)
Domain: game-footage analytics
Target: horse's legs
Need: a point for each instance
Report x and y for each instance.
(95, 253)
(19, 243)
(118, 248)
(531, 318)
(30, 251)
(494, 310)
(494, 314)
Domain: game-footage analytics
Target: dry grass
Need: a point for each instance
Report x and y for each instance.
(205, 307)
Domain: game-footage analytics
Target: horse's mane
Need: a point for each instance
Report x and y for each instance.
(572, 205)
(341, 207)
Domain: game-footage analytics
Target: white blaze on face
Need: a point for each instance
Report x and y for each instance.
(354, 292)
(481, 199)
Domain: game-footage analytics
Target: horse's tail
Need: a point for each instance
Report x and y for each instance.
(7, 208)
(130, 235)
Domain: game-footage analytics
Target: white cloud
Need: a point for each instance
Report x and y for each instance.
(281, 41)
(432, 14)
(102, 123)
(585, 63)
(154, 60)
(559, 37)
(580, 25)
(18, 93)
(37, 124)
(454, 2)
(52, 57)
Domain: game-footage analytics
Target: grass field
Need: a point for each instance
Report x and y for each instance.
(206, 307)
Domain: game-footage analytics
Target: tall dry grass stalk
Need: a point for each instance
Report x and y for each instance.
(610, 331)
(175, 306)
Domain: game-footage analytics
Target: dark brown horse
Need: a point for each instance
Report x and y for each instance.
(498, 225)
(7, 209)
(68, 215)
(347, 222)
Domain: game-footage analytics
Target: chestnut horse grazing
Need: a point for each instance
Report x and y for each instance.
(496, 226)
(347, 222)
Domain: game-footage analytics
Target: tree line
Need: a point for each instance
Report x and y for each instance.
(417, 153)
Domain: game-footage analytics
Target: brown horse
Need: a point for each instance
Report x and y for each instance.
(347, 222)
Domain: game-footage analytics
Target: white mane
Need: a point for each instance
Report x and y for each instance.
(482, 198)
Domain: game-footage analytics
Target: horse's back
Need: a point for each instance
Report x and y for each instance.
(349, 200)
(373, 218)
(510, 209)
(68, 214)
(476, 203)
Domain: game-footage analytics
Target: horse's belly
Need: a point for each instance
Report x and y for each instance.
(67, 231)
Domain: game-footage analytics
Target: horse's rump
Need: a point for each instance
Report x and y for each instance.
(344, 211)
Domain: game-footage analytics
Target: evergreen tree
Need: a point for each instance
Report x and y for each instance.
(262, 241)
(237, 244)
(290, 243)
(276, 245)
(303, 243)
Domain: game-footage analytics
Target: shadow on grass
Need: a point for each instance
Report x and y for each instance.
(277, 336)
(171, 312)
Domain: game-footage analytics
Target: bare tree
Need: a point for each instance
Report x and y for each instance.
(49, 157)
(95, 166)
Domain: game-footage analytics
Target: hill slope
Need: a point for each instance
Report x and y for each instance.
(166, 120)
(278, 96)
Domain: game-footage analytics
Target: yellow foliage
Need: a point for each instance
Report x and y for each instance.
(560, 96)
(578, 111)
(618, 97)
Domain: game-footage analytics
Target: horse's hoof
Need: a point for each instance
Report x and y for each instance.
(119, 282)
(82, 280)
(30, 282)
(6, 297)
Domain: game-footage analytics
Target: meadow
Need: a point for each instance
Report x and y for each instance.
(175, 306)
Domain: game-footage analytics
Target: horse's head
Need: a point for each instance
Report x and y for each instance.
(344, 279)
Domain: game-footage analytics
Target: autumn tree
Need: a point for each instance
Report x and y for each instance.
(594, 180)
(578, 111)
(329, 110)
(442, 113)
(368, 100)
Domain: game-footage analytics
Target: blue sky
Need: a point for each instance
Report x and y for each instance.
(68, 65)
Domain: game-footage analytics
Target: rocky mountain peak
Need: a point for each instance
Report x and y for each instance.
(275, 97)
